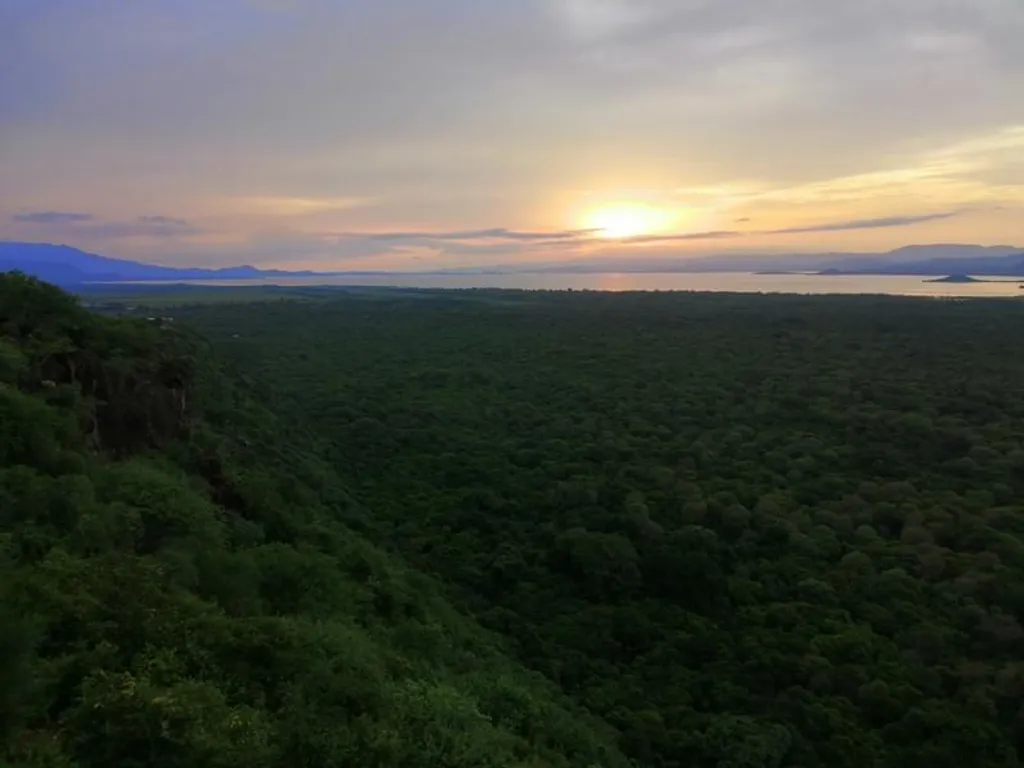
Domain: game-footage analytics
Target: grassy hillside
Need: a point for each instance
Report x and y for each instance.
(744, 530)
(182, 584)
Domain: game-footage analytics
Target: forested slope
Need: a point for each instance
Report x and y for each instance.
(745, 530)
(179, 585)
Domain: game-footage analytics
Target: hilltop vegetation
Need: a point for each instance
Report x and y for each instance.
(181, 585)
(744, 531)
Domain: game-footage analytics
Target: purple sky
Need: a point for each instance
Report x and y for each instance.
(412, 133)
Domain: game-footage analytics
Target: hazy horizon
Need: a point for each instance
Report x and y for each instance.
(336, 135)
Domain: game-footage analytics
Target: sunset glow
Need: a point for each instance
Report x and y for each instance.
(625, 220)
(581, 129)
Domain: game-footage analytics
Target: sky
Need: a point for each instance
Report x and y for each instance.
(421, 134)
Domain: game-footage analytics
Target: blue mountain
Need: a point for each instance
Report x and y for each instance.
(67, 266)
(1011, 265)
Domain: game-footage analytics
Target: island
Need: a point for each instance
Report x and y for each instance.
(958, 278)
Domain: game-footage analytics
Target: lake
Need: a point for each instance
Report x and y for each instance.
(727, 282)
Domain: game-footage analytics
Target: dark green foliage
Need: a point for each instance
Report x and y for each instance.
(179, 585)
(744, 530)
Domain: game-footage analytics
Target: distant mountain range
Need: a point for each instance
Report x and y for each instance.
(1002, 261)
(67, 266)
(941, 259)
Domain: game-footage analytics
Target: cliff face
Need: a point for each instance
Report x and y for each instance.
(127, 382)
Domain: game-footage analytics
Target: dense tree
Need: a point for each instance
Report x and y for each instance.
(743, 530)
(180, 585)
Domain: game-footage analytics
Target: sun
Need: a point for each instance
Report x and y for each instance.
(625, 220)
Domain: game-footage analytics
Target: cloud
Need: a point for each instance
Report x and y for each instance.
(451, 112)
(497, 233)
(163, 221)
(71, 225)
(879, 223)
(674, 236)
(287, 205)
(52, 217)
(500, 240)
(479, 243)
(144, 226)
(835, 226)
(386, 77)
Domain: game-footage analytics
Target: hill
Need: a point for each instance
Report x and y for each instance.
(67, 266)
(183, 583)
(996, 266)
(911, 253)
(955, 279)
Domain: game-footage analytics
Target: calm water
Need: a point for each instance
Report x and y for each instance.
(897, 285)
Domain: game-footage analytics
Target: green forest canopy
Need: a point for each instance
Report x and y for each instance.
(503, 528)
(180, 588)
